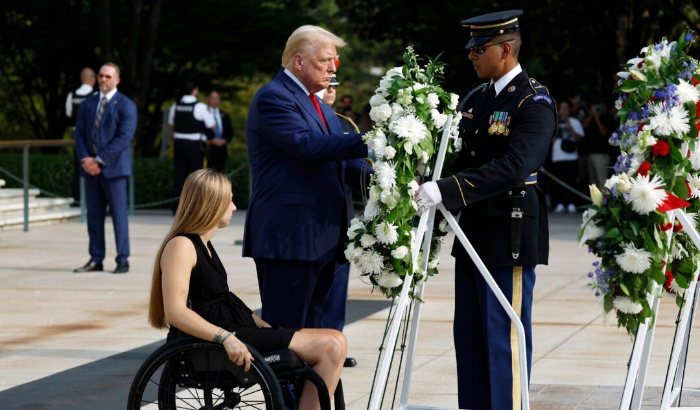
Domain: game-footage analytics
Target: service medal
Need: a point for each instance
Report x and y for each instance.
(506, 132)
(501, 128)
(492, 128)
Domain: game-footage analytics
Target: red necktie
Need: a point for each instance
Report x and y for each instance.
(318, 108)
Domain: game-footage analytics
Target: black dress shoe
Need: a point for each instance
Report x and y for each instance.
(350, 362)
(89, 267)
(122, 267)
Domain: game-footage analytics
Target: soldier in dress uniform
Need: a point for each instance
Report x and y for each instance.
(507, 125)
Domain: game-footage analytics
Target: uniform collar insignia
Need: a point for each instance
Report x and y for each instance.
(511, 88)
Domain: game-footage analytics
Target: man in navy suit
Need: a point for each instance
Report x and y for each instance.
(105, 127)
(300, 158)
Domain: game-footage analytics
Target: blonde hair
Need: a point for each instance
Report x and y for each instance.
(306, 40)
(205, 199)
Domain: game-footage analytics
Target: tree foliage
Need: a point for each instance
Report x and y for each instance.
(236, 45)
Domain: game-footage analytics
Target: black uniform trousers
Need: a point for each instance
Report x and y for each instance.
(486, 341)
(188, 157)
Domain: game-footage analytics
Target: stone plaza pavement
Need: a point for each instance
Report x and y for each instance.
(75, 340)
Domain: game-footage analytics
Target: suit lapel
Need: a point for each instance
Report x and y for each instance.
(302, 99)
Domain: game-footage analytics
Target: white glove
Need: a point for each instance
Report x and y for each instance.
(427, 195)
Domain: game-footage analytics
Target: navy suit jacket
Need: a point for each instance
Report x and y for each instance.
(297, 210)
(117, 128)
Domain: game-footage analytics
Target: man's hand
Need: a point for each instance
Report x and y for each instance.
(427, 195)
(218, 142)
(90, 166)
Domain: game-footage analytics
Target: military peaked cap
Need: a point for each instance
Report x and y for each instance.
(485, 27)
(334, 81)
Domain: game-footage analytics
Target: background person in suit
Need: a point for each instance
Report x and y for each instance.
(103, 133)
(73, 100)
(216, 150)
(506, 126)
(297, 216)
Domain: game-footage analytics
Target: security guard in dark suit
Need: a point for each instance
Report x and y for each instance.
(507, 125)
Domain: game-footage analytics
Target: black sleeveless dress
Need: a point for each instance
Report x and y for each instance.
(211, 298)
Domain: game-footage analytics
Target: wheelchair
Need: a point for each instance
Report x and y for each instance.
(190, 373)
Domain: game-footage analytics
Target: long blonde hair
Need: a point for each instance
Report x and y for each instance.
(204, 200)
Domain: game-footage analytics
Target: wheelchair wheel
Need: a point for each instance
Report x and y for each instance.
(189, 373)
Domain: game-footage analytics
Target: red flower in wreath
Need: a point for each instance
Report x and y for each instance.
(661, 148)
(669, 280)
(644, 168)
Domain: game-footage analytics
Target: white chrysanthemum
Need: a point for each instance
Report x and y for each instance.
(625, 305)
(397, 112)
(389, 280)
(367, 240)
(634, 260)
(433, 100)
(385, 175)
(646, 195)
(637, 160)
(412, 187)
(355, 225)
(370, 262)
(371, 209)
(454, 100)
(380, 113)
(438, 119)
(687, 92)
(676, 288)
(434, 263)
(694, 182)
(377, 100)
(400, 252)
(695, 159)
(378, 142)
(443, 225)
(389, 152)
(693, 219)
(386, 233)
(590, 229)
(669, 122)
(411, 128)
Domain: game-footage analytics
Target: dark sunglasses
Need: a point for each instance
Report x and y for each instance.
(333, 86)
(482, 49)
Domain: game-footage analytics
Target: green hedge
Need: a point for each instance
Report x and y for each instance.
(153, 177)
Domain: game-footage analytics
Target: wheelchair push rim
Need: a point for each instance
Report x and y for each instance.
(194, 374)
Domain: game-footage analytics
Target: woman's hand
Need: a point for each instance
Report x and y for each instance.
(238, 352)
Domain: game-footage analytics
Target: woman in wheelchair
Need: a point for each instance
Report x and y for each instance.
(190, 293)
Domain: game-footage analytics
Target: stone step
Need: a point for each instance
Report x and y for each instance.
(37, 219)
(11, 195)
(36, 205)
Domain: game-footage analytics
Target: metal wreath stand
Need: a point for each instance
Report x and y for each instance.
(423, 235)
(636, 373)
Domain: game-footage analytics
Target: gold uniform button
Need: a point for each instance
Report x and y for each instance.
(473, 154)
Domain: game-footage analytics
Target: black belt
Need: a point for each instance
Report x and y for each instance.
(516, 196)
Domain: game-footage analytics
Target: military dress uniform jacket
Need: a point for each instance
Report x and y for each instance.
(492, 163)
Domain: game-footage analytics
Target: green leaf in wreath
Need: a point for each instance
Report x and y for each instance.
(657, 276)
(624, 289)
(613, 233)
(680, 189)
(681, 281)
(629, 234)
